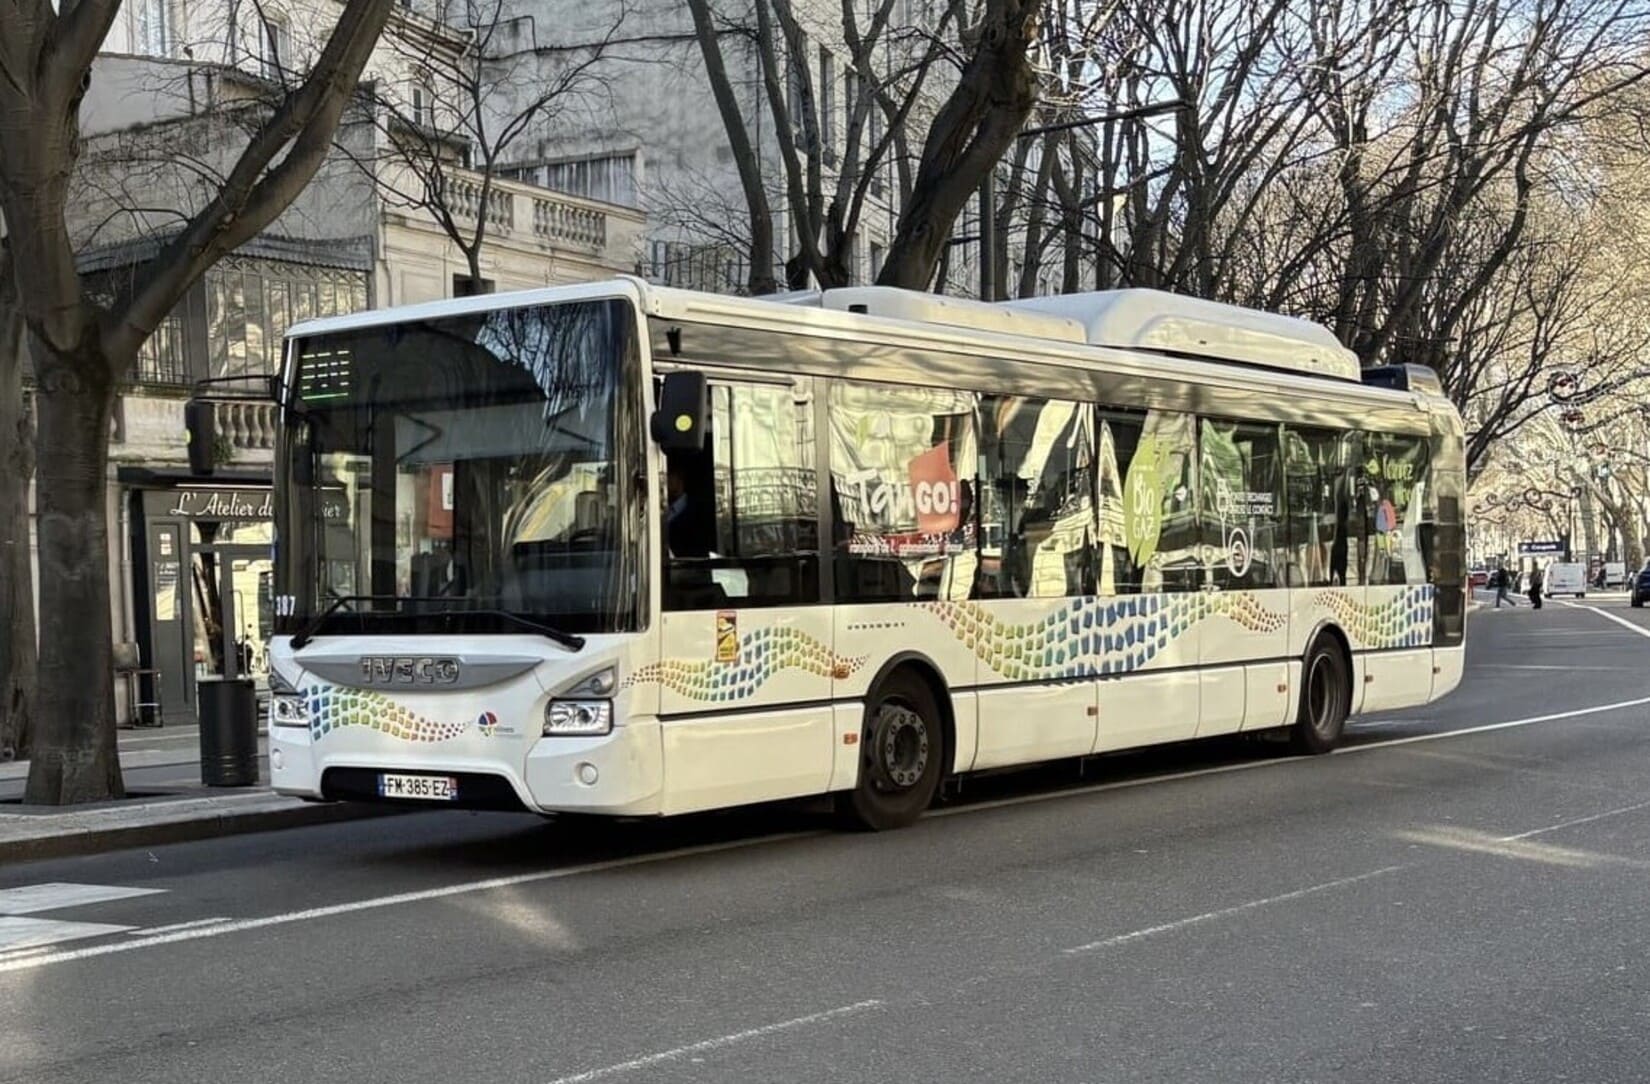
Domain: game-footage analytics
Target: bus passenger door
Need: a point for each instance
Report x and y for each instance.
(1149, 610)
(746, 654)
(1244, 682)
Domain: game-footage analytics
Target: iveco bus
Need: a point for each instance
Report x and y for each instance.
(619, 549)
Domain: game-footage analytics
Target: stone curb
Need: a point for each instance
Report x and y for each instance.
(27, 837)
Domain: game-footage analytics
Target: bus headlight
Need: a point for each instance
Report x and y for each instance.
(578, 717)
(583, 708)
(286, 705)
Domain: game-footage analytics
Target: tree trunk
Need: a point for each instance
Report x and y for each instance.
(761, 280)
(17, 632)
(74, 758)
(995, 92)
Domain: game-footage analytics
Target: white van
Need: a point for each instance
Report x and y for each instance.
(1566, 579)
(1615, 574)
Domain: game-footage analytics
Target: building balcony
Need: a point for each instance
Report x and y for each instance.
(604, 237)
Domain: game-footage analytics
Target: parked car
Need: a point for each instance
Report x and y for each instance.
(1566, 579)
(1478, 577)
(1640, 587)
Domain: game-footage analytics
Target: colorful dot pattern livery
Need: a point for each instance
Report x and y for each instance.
(1083, 638)
(762, 654)
(1404, 620)
(332, 708)
(1088, 637)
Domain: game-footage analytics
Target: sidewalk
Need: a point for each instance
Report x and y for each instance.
(166, 803)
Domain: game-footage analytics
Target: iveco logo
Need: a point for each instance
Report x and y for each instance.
(408, 670)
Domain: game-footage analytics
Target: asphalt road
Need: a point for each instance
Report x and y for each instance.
(1459, 895)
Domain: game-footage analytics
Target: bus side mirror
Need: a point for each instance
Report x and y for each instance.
(201, 425)
(679, 423)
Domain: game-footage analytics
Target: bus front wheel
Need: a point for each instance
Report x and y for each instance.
(901, 755)
(1325, 682)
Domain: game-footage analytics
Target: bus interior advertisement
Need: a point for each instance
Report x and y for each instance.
(465, 473)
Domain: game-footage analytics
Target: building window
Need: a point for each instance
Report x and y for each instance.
(795, 77)
(277, 47)
(608, 178)
(152, 27)
(251, 303)
(423, 105)
(713, 268)
(827, 103)
(873, 144)
(878, 254)
(161, 359)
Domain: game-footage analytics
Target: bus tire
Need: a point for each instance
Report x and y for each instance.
(1326, 681)
(902, 747)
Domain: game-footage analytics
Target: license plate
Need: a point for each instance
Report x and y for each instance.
(429, 788)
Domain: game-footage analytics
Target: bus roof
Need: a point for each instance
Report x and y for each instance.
(1134, 319)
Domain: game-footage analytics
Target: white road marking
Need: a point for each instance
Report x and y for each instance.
(1617, 618)
(1561, 825)
(1574, 713)
(28, 899)
(1227, 912)
(1536, 666)
(17, 932)
(716, 1043)
(149, 940)
(149, 931)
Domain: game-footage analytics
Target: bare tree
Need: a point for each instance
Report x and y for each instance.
(759, 209)
(83, 348)
(475, 94)
(995, 92)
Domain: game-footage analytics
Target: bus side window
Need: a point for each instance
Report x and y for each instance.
(902, 465)
(741, 517)
(1148, 513)
(1037, 522)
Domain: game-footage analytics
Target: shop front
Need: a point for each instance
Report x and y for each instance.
(202, 588)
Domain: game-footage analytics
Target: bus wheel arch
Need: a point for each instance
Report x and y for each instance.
(1325, 691)
(908, 712)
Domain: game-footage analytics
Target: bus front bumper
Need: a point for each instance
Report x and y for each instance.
(616, 774)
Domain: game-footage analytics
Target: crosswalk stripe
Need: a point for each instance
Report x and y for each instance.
(17, 932)
(56, 895)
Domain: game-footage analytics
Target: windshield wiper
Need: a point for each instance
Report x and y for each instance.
(307, 633)
(570, 641)
(566, 639)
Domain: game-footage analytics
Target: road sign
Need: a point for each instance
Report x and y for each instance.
(1531, 549)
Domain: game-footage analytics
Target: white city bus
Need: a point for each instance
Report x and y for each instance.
(619, 549)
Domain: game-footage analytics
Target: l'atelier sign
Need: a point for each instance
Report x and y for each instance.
(223, 504)
(232, 504)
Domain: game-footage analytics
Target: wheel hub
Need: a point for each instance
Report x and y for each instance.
(899, 747)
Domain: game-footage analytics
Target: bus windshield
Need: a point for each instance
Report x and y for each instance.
(471, 467)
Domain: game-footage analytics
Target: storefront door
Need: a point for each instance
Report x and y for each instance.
(233, 614)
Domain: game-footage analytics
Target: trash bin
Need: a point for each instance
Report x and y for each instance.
(228, 711)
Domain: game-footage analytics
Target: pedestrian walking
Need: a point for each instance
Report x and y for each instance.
(1503, 581)
(1538, 580)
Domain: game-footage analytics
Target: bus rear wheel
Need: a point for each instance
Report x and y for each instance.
(1325, 683)
(901, 756)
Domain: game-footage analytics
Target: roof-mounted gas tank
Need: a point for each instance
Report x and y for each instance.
(925, 308)
(1175, 324)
